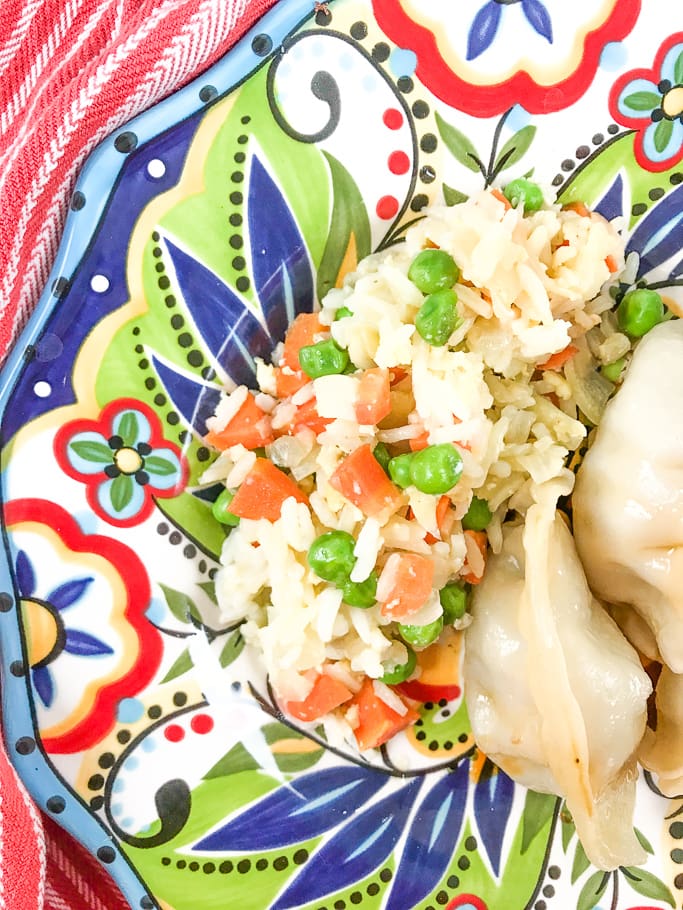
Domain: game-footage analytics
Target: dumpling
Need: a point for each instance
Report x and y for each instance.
(628, 500)
(556, 695)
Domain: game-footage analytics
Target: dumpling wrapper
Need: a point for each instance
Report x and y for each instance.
(556, 695)
(628, 499)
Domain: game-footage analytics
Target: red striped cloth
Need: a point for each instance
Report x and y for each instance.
(71, 71)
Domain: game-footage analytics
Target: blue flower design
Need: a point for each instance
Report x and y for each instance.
(50, 633)
(484, 27)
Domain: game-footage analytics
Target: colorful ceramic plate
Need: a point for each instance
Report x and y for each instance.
(194, 236)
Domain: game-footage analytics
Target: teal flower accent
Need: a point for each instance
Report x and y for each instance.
(124, 461)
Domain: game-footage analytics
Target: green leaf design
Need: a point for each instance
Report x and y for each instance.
(538, 810)
(180, 605)
(209, 588)
(581, 862)
(678, 70)
(453, 196)
(647, 884)
(642, 101)
(592, 891)
(514, 149)
(350, 233)
(128, 428)
(663, 132)
(121, 492)
(292, 752)
(458, 144)
(568, 829)
(161, 466)
(92, 451)
(644, 842)
(232, 648)
(181, 665)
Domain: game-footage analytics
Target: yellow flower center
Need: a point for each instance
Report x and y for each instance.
(127, 460)
(672, 102)
(41, 630)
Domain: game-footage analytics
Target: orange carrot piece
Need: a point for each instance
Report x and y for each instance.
(411, 577)
(288, 381)
(263, 492)
(250, 427)
(300, 333)
(480, 538)
(377, 721)
(326, 695)
(611, 264)
(557, 361)
(398, 374)
(374, 396)
(306, 415)
(445, 519)
(361, 480)
(419, 442)
(501, 198)
(579, 207)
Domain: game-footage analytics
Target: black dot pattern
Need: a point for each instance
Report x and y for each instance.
(262, 45)
(125, 142)
(25, 745)
(55, 804)
(207, 93)
(77, 201)
(106, 854)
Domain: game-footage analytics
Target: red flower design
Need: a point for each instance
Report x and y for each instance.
(488, 94)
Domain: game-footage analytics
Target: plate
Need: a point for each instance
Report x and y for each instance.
(195, 234)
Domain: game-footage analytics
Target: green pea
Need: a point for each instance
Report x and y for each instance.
(639, 311)
(360, 593)
(331, 556)
(436, 469)
(398, 673)
(438, 317)
(383, 456)
(525, 191)
(421, 636)
(324, 358)
(453, 597)
(221, 510)
(613, 371)
(477, 516)
(432, 270)
(399, 469)
(342, 313)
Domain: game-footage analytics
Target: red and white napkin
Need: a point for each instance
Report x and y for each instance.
(71, 72)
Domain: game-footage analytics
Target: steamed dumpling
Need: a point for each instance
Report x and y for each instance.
(628, 500)
(556, 695)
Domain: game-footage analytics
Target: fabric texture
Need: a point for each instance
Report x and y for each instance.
(71, 72)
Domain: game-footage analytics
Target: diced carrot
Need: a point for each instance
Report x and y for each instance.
(326, 695)
(480, 538)
(445, 519)
(419, 442)
(430, 245)
(557, 361)
(300, 333)
(263, 492)
(250, 427)
(579, 207)
(306, 415)
(501, 198)
(398, 374)
(405, 584)
(611, 264)
(374, 396)
(288, 381)
(361, 480)
(377, 721)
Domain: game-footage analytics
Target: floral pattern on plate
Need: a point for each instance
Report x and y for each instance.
(132, 714)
